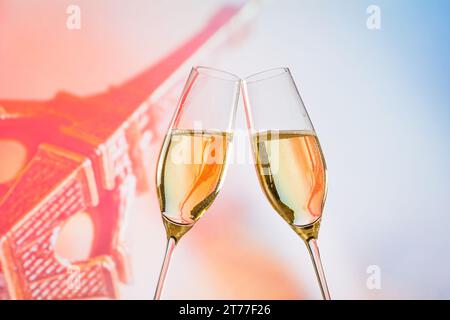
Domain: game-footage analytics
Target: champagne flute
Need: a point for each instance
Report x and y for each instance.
(193, 158)
(288, 158)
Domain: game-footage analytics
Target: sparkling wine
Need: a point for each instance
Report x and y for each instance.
(189, 177)
(292, 172)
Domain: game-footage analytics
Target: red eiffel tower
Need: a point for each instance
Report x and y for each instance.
(86, 155)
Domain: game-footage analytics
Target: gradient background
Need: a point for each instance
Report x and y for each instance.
(379, 100)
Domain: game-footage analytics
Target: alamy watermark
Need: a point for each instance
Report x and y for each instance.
(203, 147)
(373, 281)
(73, 281)
(373, 21)
(73, 21)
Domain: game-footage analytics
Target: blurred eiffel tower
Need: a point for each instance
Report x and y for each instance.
(87, 154)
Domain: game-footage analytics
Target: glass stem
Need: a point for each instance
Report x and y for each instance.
(313, 249)
(171, 242)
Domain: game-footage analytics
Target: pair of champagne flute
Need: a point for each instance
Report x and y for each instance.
(287, 154)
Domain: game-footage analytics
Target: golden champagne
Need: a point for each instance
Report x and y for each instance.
(292, 172)
(189, 177)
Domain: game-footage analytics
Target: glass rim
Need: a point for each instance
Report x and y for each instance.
(267, 74)
(217, 73)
